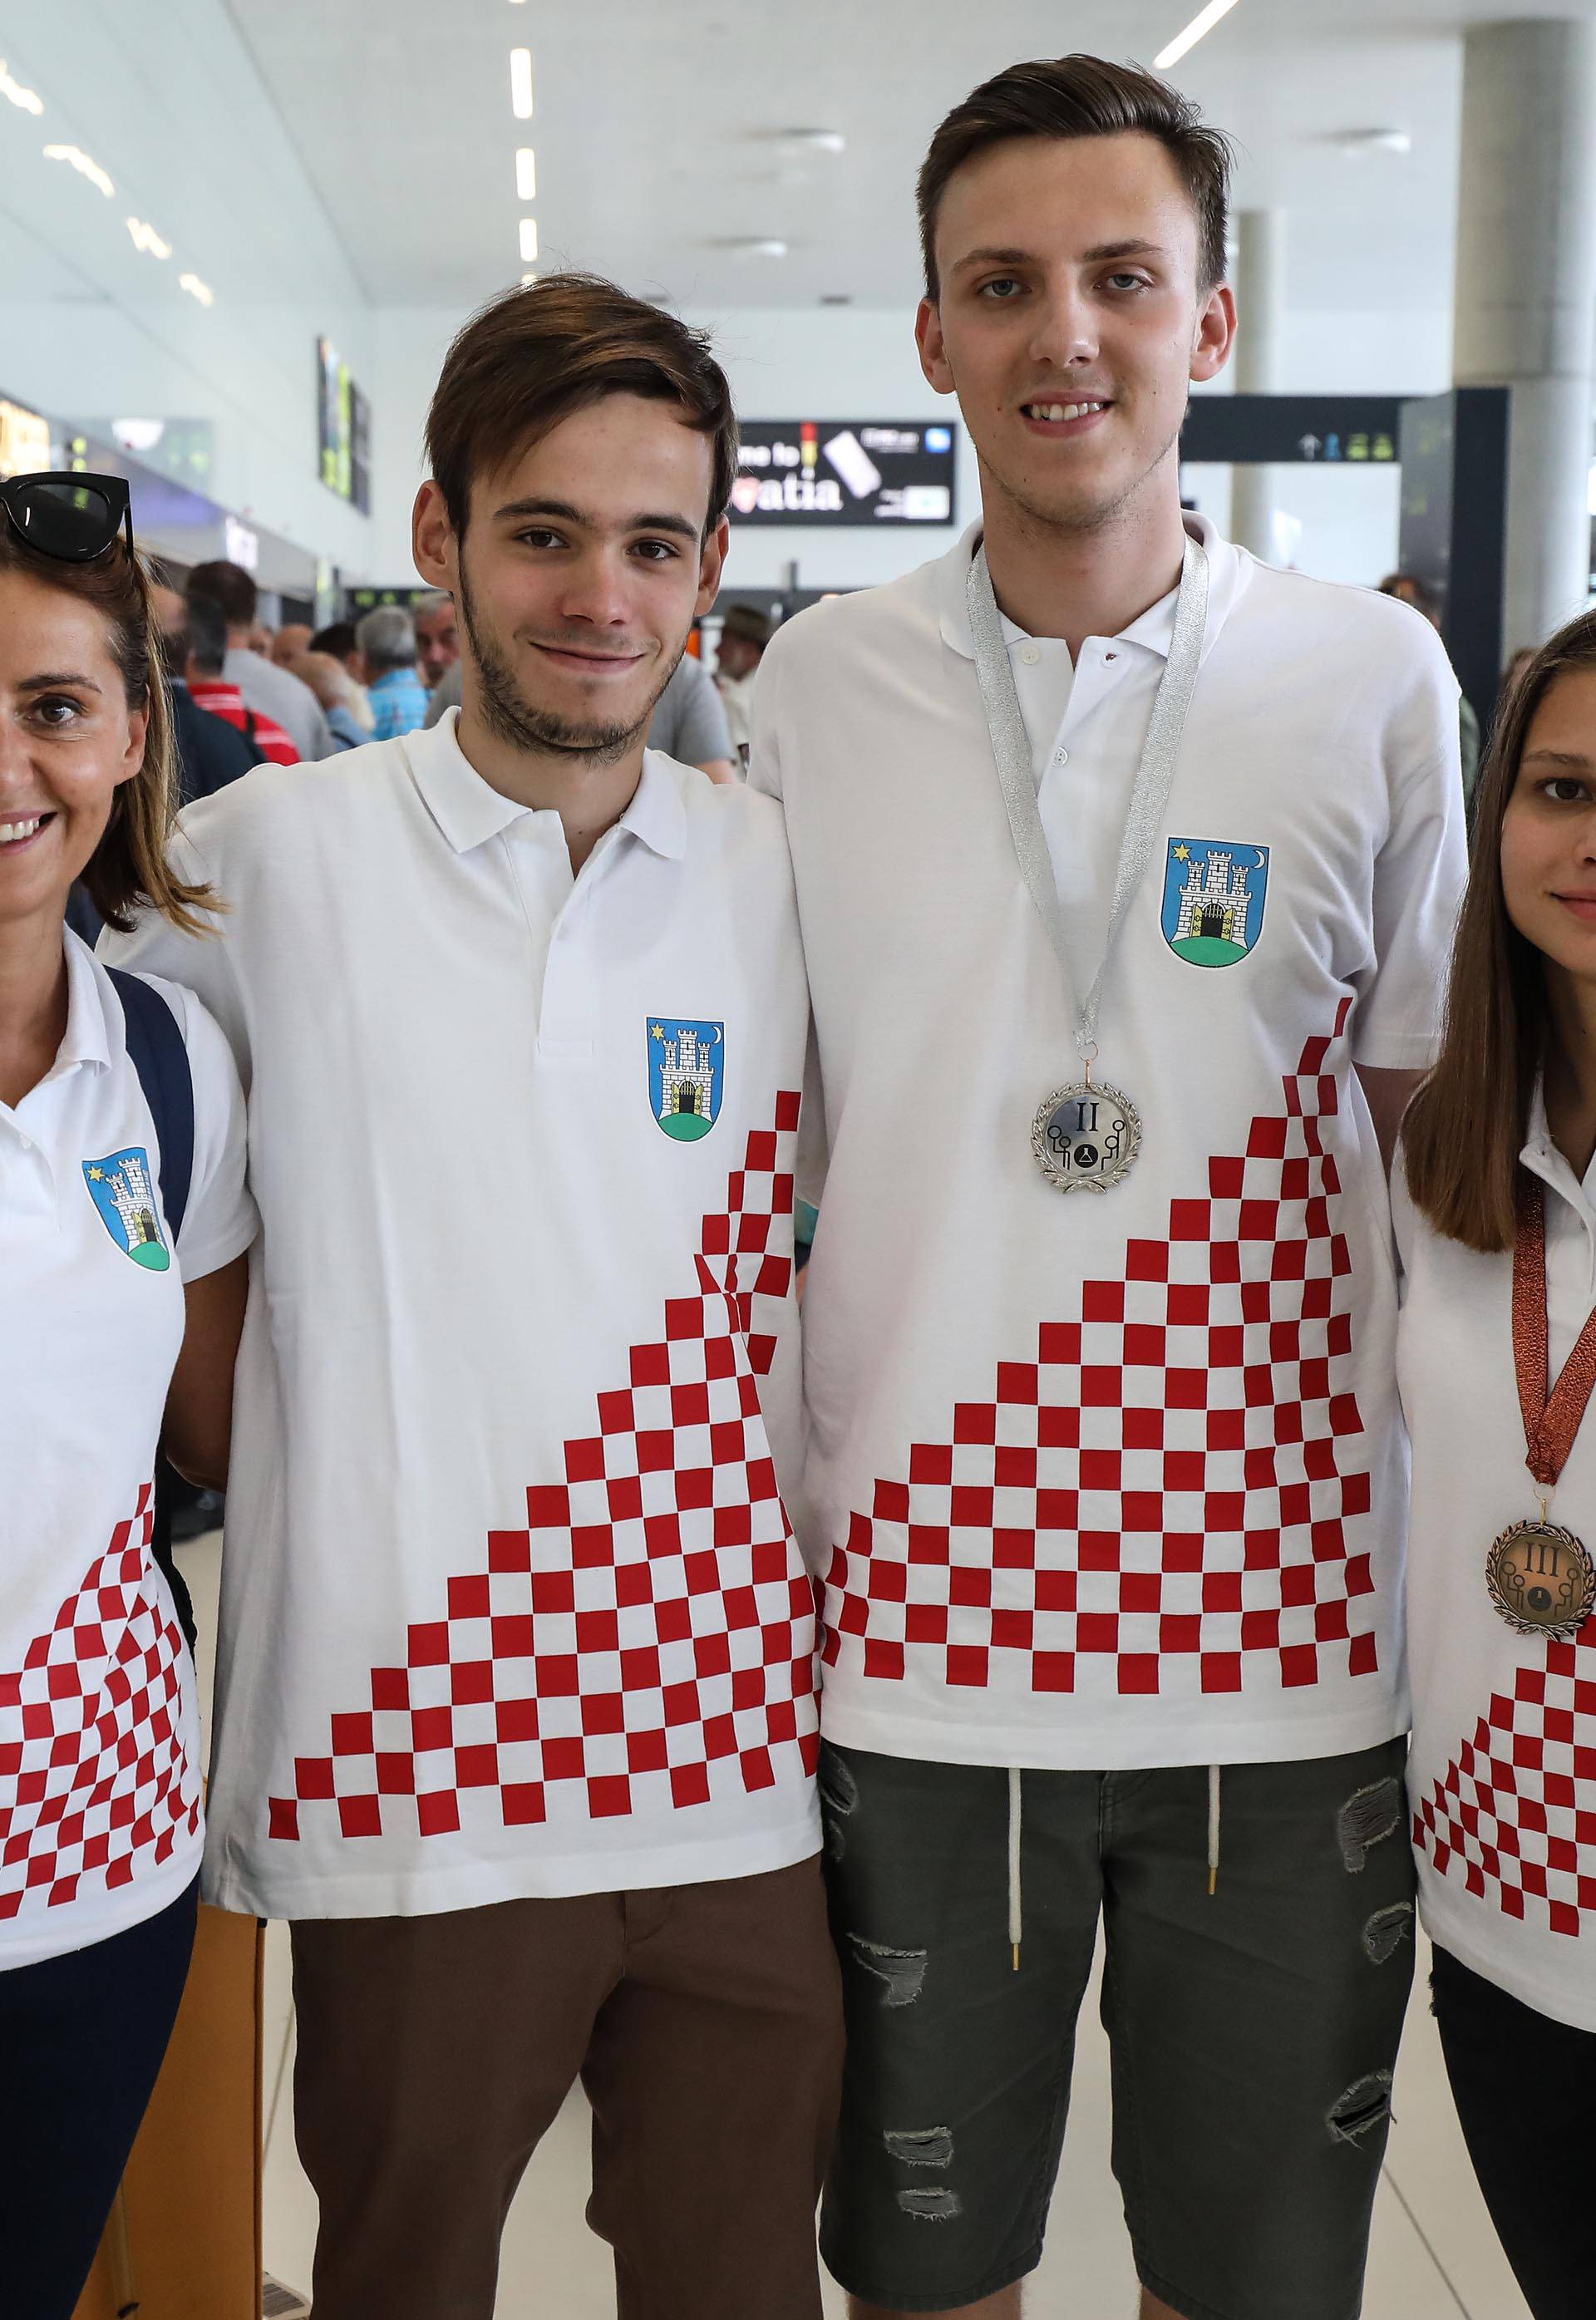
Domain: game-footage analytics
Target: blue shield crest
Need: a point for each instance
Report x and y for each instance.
(686, 1072)
(122, 1188)
(1213, 898)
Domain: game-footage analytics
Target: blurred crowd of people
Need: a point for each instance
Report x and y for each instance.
(246, 694)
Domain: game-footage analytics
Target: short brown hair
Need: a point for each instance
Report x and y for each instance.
(1465, 1128)
(229, 586)
(1082, 97)
(129, 867)
(536, 354)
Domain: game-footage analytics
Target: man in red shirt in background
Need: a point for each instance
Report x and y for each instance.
(207, 652)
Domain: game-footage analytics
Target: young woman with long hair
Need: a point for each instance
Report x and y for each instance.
(1496, 1223)
(123, 1221)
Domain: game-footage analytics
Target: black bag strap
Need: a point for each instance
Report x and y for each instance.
(156, 1053)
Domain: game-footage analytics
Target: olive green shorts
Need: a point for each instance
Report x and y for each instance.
(1253, 2031)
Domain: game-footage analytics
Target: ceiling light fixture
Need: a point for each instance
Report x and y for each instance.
(145, 237)
(817, 141)
(28, 99)
(755, 245)
(529, 242)
(526, 173)
(137, 434)
(196, 289)
(520, 82)
(75, 156)
(1355, 141)
(1203, 22)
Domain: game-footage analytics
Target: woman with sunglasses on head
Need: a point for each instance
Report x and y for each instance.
(1495, 1200)
(123, 1221)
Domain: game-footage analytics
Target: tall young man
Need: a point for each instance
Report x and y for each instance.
(516, 1714)
(1126, 868)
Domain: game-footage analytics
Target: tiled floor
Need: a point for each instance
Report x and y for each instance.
(1434, 2255)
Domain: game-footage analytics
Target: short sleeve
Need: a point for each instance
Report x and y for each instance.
(220, 1221)
(702, 735)
(199, 964)
(765, 764)
(1418, 879)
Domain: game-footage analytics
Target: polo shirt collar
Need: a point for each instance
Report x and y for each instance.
(1541, 1156)
(87, 1039)
(658, 813)
(469, 811)
(1228, 572)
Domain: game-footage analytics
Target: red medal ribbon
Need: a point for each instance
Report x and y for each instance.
(1551, 1420)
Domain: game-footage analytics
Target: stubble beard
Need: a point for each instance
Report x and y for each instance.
(1084, 519)
(511, 718)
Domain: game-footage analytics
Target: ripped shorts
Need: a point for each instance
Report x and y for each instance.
(1254, 2029)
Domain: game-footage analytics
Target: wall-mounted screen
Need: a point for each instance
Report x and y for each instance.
(24, 441)
(343, 429)
(845, 471)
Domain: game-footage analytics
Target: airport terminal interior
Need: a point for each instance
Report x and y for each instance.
(237, 238)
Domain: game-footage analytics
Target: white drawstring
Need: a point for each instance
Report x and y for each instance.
(1014, 1863)
(1213, 1827)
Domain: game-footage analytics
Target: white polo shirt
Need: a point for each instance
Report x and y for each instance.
(99, 1727)
(1112, 1481)
(510, 1604)
(1501, 1775)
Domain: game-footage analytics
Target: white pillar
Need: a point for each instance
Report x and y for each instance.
(1525, 312)
(1259, 283)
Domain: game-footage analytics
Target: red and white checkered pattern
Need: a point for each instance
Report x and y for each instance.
(1157, 1500)
(95, 1786)
(648, 1639)
(1514, 1814)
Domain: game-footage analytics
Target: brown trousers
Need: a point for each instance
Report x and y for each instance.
(704, 2022)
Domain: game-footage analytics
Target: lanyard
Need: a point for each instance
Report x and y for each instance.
(1551, 1420)
(1011, 747)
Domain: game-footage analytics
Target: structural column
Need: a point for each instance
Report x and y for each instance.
(1259, 283)
(1525, 295)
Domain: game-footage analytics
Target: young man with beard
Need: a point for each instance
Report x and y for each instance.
(1127, 868)
(515, 1696)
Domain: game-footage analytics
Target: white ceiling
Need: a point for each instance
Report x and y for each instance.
(656, 131)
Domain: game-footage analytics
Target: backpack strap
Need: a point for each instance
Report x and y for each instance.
(156, 1053)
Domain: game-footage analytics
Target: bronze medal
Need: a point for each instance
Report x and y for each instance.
(1541, 1580)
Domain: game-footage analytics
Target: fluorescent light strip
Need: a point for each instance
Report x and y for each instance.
(520, 82)
(78, 160)
(526, 173)
(1203, 22)
(196, 289)
(529, 242)
(146, 237)
(28, 99)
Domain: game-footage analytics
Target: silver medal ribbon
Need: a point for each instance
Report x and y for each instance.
(1011, 747)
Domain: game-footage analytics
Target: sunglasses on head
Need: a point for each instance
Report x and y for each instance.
(71, 518)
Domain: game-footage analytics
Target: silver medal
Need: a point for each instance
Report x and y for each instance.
(1087, 1133)
(1086, 1136)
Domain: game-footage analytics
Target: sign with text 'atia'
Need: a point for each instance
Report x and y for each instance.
(845, 471)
